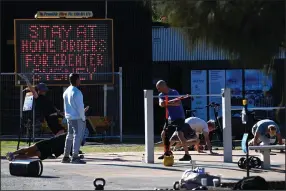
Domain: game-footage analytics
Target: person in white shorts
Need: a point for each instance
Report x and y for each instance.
(201, 127)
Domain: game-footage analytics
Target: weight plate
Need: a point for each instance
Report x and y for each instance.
(240, 163)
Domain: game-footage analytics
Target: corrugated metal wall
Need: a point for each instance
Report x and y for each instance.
(169, 44)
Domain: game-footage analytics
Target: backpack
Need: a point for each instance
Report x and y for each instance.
(251, 183)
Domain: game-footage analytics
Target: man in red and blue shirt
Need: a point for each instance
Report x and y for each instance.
(176, 118)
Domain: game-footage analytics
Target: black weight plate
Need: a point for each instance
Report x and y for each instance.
(248, 163)
(240, 163)
(255, 162)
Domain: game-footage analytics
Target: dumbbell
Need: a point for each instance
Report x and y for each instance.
(253, 162)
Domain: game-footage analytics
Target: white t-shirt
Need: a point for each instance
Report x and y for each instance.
(198, 125)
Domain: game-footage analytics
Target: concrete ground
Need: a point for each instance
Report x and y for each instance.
(126, 171)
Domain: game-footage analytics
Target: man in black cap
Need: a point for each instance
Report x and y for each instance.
(46, 108)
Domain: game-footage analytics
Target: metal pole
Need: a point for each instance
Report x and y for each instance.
(227, 134)
(120, 103)
(21, 102)
(106, 9)
(247, 159)
(21, 116)
(34, 111)
(149, 126)
(284, 96)
(105, 100)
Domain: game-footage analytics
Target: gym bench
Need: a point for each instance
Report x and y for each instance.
(265, 153)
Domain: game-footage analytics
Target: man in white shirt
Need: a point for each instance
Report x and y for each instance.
(193, 128)
(75, 115)
(201, 127)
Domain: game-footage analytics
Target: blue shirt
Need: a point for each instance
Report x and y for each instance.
(262, 126)
(73, 104)
(175, 112)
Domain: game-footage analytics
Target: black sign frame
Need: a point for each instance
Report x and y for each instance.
(101, 78)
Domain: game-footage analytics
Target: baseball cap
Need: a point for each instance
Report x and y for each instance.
(42, 87)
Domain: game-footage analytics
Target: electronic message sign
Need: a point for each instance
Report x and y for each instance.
(63, 46)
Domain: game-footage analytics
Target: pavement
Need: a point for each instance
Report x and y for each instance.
(126, 171)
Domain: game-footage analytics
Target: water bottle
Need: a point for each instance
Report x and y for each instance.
(243, 116)
(201, 170)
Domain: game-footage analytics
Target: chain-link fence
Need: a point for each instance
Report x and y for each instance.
(104, 118)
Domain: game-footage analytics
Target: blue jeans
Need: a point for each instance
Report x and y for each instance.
(74, 137)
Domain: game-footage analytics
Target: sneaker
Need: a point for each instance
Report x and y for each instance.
(66, 160)
(165, 154)
(10, 156)
(161, 157)
(81, 156)
(186, 157)
(77, 160)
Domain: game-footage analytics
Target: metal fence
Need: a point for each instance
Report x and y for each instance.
(105, 103)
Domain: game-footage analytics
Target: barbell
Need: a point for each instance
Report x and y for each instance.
(253, 162)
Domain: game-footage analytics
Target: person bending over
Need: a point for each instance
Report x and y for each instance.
(46, 108)
(176, 118)
(189, 134)
(75, 115)
(201, 127)
(262, 132)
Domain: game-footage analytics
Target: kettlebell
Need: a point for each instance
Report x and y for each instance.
(168, 160)
(28, 168)
(99, 183)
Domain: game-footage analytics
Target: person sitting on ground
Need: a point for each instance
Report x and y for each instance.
(201, 127)
(262, 129)
(176, 118)
(44, 105)
(43, 149)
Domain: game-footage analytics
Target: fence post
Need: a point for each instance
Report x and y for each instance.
(34, 114)
(21, 114)
(149, 126)
(227, 134)
(120, 103)
(105, 99)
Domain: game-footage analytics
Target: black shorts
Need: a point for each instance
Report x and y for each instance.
(51, 146)
(53, 123)
(189, 133)
(176, 125)
(44, 147)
